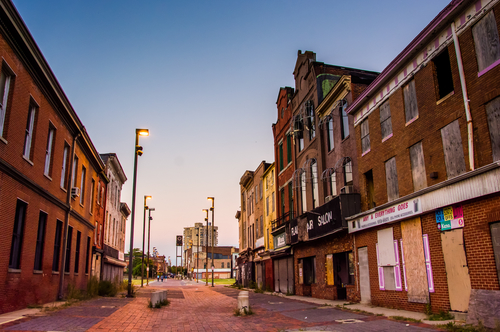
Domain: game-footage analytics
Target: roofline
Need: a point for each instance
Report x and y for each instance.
(408, 52)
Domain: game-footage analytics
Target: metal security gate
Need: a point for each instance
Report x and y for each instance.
(283, 275)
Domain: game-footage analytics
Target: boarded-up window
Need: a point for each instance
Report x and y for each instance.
(416, 271)
(495, 239)
(486, 41)
(391, 178)
(410, 96)
(453, 150)
(386, 253)
(385, 120)
(365, 136)
(329, 270)
(418, 167)
(493, 114)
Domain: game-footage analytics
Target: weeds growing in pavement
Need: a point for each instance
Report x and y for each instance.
(243, 312)
(428, 309)
(405, 319)
(463, 328)
(441, 316)
(159, 304)
(252, 285)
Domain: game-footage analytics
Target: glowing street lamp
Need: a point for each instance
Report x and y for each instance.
(137, 152)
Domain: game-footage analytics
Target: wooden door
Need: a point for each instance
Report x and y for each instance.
(457, 271)
(364, 275)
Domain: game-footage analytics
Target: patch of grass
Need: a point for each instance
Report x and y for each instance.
(406, 319)
(252, 285)
(107, 288)
(428, 309)
(236, 312)
(158, 305)
(259, 290)
(441, 316)
(463, 328)
(245, 312)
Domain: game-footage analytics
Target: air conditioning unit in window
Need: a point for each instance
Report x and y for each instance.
(75, 192)
(347, 190)
(328, 198)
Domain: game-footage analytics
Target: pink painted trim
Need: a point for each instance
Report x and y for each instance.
(478, 6)
(381, 284)
(436, 43)
(397, 270)
(427, 254)
(381, 94)
(404, 267)
(385, 139)
(411, 121)
(396, 81)
(425, 54)
(387, 88)
(462, 20)
(365, 152)
(414, 63)
(405, 72)
(484, 71)
(448, 32)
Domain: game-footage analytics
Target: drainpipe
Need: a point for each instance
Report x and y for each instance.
(66, 220)
(465, 96)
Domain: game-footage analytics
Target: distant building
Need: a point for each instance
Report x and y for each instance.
(223, 262)
(200, 229)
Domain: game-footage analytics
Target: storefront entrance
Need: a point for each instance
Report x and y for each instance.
(283, 275)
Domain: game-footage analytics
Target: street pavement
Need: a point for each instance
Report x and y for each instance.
(196, 307)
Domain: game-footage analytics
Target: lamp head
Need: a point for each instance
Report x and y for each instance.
(142, 132)
(151, 209)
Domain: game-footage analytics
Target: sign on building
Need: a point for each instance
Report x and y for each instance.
(179, 240)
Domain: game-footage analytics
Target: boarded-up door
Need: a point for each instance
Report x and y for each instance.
(259, 275)
(416, 270)
(283, 269)
(457, 271)
(364, 275)
(276, 276)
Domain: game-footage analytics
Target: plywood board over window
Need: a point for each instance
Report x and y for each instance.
(385, 241)
(418, 167)
(329, 270)
(486, 41)
(416, 271)
(453, 149)
(493, 114)
(391, 177)
(410, 98)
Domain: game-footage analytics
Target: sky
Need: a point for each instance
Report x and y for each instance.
(203, 77)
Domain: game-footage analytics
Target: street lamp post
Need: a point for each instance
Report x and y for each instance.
(213, 230)
(206, 250)
(149, 240)
(137, 152)
(144, 238)
(197, 253)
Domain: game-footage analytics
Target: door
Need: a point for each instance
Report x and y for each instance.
(258, 266)
(283, 275)
(457, 271)
(364, 275)
(495, 239)
(290, 276)
(276, 276)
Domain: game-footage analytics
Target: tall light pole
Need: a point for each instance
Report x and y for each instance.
(206, 250)
(213, 229)
(197, 253)
(137, 152)
(149, 238)
(144, 238)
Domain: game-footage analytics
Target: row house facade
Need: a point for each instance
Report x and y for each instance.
(51, 220)
(113, 260)
(428, 149)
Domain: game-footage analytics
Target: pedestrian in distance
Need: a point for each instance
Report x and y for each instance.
(158, 277)
(162, 278)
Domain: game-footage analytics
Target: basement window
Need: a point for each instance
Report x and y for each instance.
(443, 74)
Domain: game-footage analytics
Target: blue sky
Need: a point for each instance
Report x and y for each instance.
(203, 76)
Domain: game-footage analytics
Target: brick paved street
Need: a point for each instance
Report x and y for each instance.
(200, 308)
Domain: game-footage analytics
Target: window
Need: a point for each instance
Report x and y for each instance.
(333, 184)
(57, 246)
(348, 174)
(314, 183)
(304, 192)
(385, 121)
(273, 201)
(49, 151)
(282, 197)
(493, 115)
(82, 185)
(453, 150)
(288, 148)
(495, 239)
(260, 190)
(87, 255)
(329, 133)
(280, 152)
(418, 167)
(267, 206)
(365, 137)
(261, 226)
(5, 79)
(222, 265)
(95, 232)
(290, 200)
(30, 128)
(68, 249)
(486, 41)
(17, 236)
(65, 166)
(40, 240)
(391, 178)
(370, 189)
(310, 119)
(299, 130)
(75, 168)
(443, 74)
(102, 194)
(92, 199)
(77, 250)
(410, 98)
(344, 124)
(309, 270)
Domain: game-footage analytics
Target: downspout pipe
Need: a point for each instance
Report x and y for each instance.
(66, 219)
(470, 132)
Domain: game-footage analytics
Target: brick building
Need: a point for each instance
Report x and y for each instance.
(428, 144)
(49, 172)
(223, 262)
